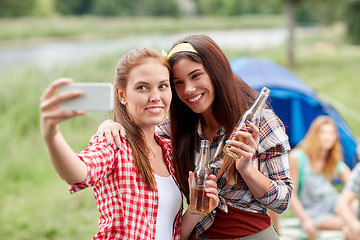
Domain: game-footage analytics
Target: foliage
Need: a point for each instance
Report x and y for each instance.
(161, 8)
(86, 27)
(114, 8)
(352, 18)
(16, 8)
(44, 8)
(135, 8)
(236, 7)
(118, 7)
(325, 12)
(73, 7)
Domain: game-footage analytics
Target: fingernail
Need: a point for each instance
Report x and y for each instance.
(109, 143)
(233, 133)
(229, 146)
(118, 147)
(247, 122)
(227, 141)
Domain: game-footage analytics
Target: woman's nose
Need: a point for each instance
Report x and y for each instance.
(189, 88)
(154, 96)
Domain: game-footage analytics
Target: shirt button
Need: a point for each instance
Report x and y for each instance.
(214, 211)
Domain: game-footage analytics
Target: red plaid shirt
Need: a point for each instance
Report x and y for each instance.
(128, 208)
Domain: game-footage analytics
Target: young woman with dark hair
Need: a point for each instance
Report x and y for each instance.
(208, 100)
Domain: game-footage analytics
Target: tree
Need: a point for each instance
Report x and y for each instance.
(73, 7)
(16, 8)
(352, 18)
(290, 9)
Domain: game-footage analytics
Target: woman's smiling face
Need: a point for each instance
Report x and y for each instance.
(148, 94)
(193, 85)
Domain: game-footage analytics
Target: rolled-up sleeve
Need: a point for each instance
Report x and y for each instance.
(99, 160)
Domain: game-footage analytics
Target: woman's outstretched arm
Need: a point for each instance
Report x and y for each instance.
(66, 163)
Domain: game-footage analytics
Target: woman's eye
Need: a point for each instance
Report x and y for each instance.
(177, 82)
(141, 88)
(163, 86)
(196, 75)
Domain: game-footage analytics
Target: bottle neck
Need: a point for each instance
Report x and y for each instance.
(204, 154)
(254, 112)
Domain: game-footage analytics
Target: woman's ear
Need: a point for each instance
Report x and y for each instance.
(121, 95)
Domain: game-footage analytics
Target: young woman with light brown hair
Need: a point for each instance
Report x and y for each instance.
(314, 163)
(134, 184)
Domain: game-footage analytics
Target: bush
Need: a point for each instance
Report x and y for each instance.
(352, 18)
(16, 8)
(73, 7)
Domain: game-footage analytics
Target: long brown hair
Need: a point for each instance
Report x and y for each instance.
(232, 98)
(134, 134)
(311, 145)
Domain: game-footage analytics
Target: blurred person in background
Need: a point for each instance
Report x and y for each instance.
(348, 205)
(314, 163)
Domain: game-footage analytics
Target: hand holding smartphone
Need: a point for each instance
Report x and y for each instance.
(96, 97)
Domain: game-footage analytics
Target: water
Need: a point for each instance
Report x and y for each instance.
(48, 54)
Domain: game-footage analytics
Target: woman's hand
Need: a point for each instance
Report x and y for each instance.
(310, 228)
(352, 232)
(50, 113)
(245, 145)
(188, 220)
(110, 130)
(211, 190)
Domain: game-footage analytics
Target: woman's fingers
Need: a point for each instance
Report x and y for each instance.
(109, 130)
(117, 137)
(212, 191)
(50, 113)
(56, 100)
(191, 175)
(53, 87)
(50, 100)
(61, 113)
(247, 142)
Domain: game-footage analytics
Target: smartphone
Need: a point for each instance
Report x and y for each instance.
(96, 97)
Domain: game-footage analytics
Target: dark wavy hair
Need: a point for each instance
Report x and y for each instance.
(232, 98)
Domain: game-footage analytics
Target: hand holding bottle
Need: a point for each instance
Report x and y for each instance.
(211, 190)
(202, 188)
(244, 144)
(244, 139)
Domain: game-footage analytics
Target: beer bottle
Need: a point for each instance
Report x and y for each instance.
(199, 202)
(253, 115)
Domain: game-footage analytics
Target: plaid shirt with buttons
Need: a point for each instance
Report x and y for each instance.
(271, 159)
(128, 208)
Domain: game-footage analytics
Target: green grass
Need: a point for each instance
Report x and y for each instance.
(15, 30)
(35, 203)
